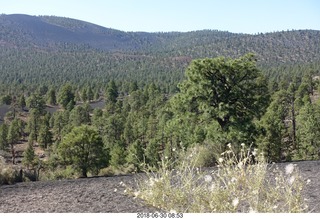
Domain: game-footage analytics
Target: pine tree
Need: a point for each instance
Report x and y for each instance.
(66, 97)
(275, 126)
(22, 101)
(83, 147)
(51, 97)
(45, 136)
(84, 95)
(117, 155)
(308, 132)
(29, 155)
(90, 94)
(13, 137)
(4, 145)
(152, 153)
(111, 92)
(135, 155)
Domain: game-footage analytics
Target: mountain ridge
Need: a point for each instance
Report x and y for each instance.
(64, 49)
(47, 30)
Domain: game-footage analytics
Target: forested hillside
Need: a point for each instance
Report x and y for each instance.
(162, 94)
(54, 50)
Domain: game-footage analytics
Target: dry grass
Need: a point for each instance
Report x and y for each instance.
(234, 185)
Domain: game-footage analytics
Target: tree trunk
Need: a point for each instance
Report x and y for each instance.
(84, 172)
(13, 154)
(294, 129)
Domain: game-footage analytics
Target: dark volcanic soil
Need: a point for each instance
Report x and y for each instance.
(105, 194)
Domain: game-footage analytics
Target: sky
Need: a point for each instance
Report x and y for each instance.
(237, 16)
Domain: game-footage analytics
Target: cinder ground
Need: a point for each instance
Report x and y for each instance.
(102, 194)
(105, 194)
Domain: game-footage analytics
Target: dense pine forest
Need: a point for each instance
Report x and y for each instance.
(79, 99)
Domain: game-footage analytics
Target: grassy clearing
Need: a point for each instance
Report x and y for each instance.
(234, 185)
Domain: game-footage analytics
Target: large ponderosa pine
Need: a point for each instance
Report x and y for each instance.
(228, 92)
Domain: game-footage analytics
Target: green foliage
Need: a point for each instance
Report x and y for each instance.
(202, 155)
(37, 103)
(9, 175)
(308, 133)
(230, 92)
(29, 157)
(152, 153)
(83, 148)
(80, 115)
(146, 117)
(60, 173)
(45, 136)
(51, 97)
(14, 132)
(118, 155)
(274, 125)
(135, 155)
(6, 99)
(66, 96)
(111, 92)
(4, 145)
(22, 101)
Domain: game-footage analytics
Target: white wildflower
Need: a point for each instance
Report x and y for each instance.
(308, 181)
(115, 190)
(121, 183)
(233, 180)
(125, 191)
(235, 202)
(275, 207)
(289, 169)
(207, 178)
(229, 145)
(291, 180)
(240, 164)
(255, 151)
(212, 187)
(243, 144)
(166, 157)
(173, 149)
(136, 194)
(151, 182)
(220, 160)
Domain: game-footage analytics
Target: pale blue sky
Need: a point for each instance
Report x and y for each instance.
(238, 16)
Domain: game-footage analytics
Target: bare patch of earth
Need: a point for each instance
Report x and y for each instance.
(106, 195)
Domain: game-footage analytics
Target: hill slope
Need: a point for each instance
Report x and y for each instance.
(37, 49)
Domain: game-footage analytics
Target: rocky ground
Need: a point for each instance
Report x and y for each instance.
(105, 194)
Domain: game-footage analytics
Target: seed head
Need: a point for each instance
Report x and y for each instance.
(207, 178)
(289, 169)
(235, 202)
